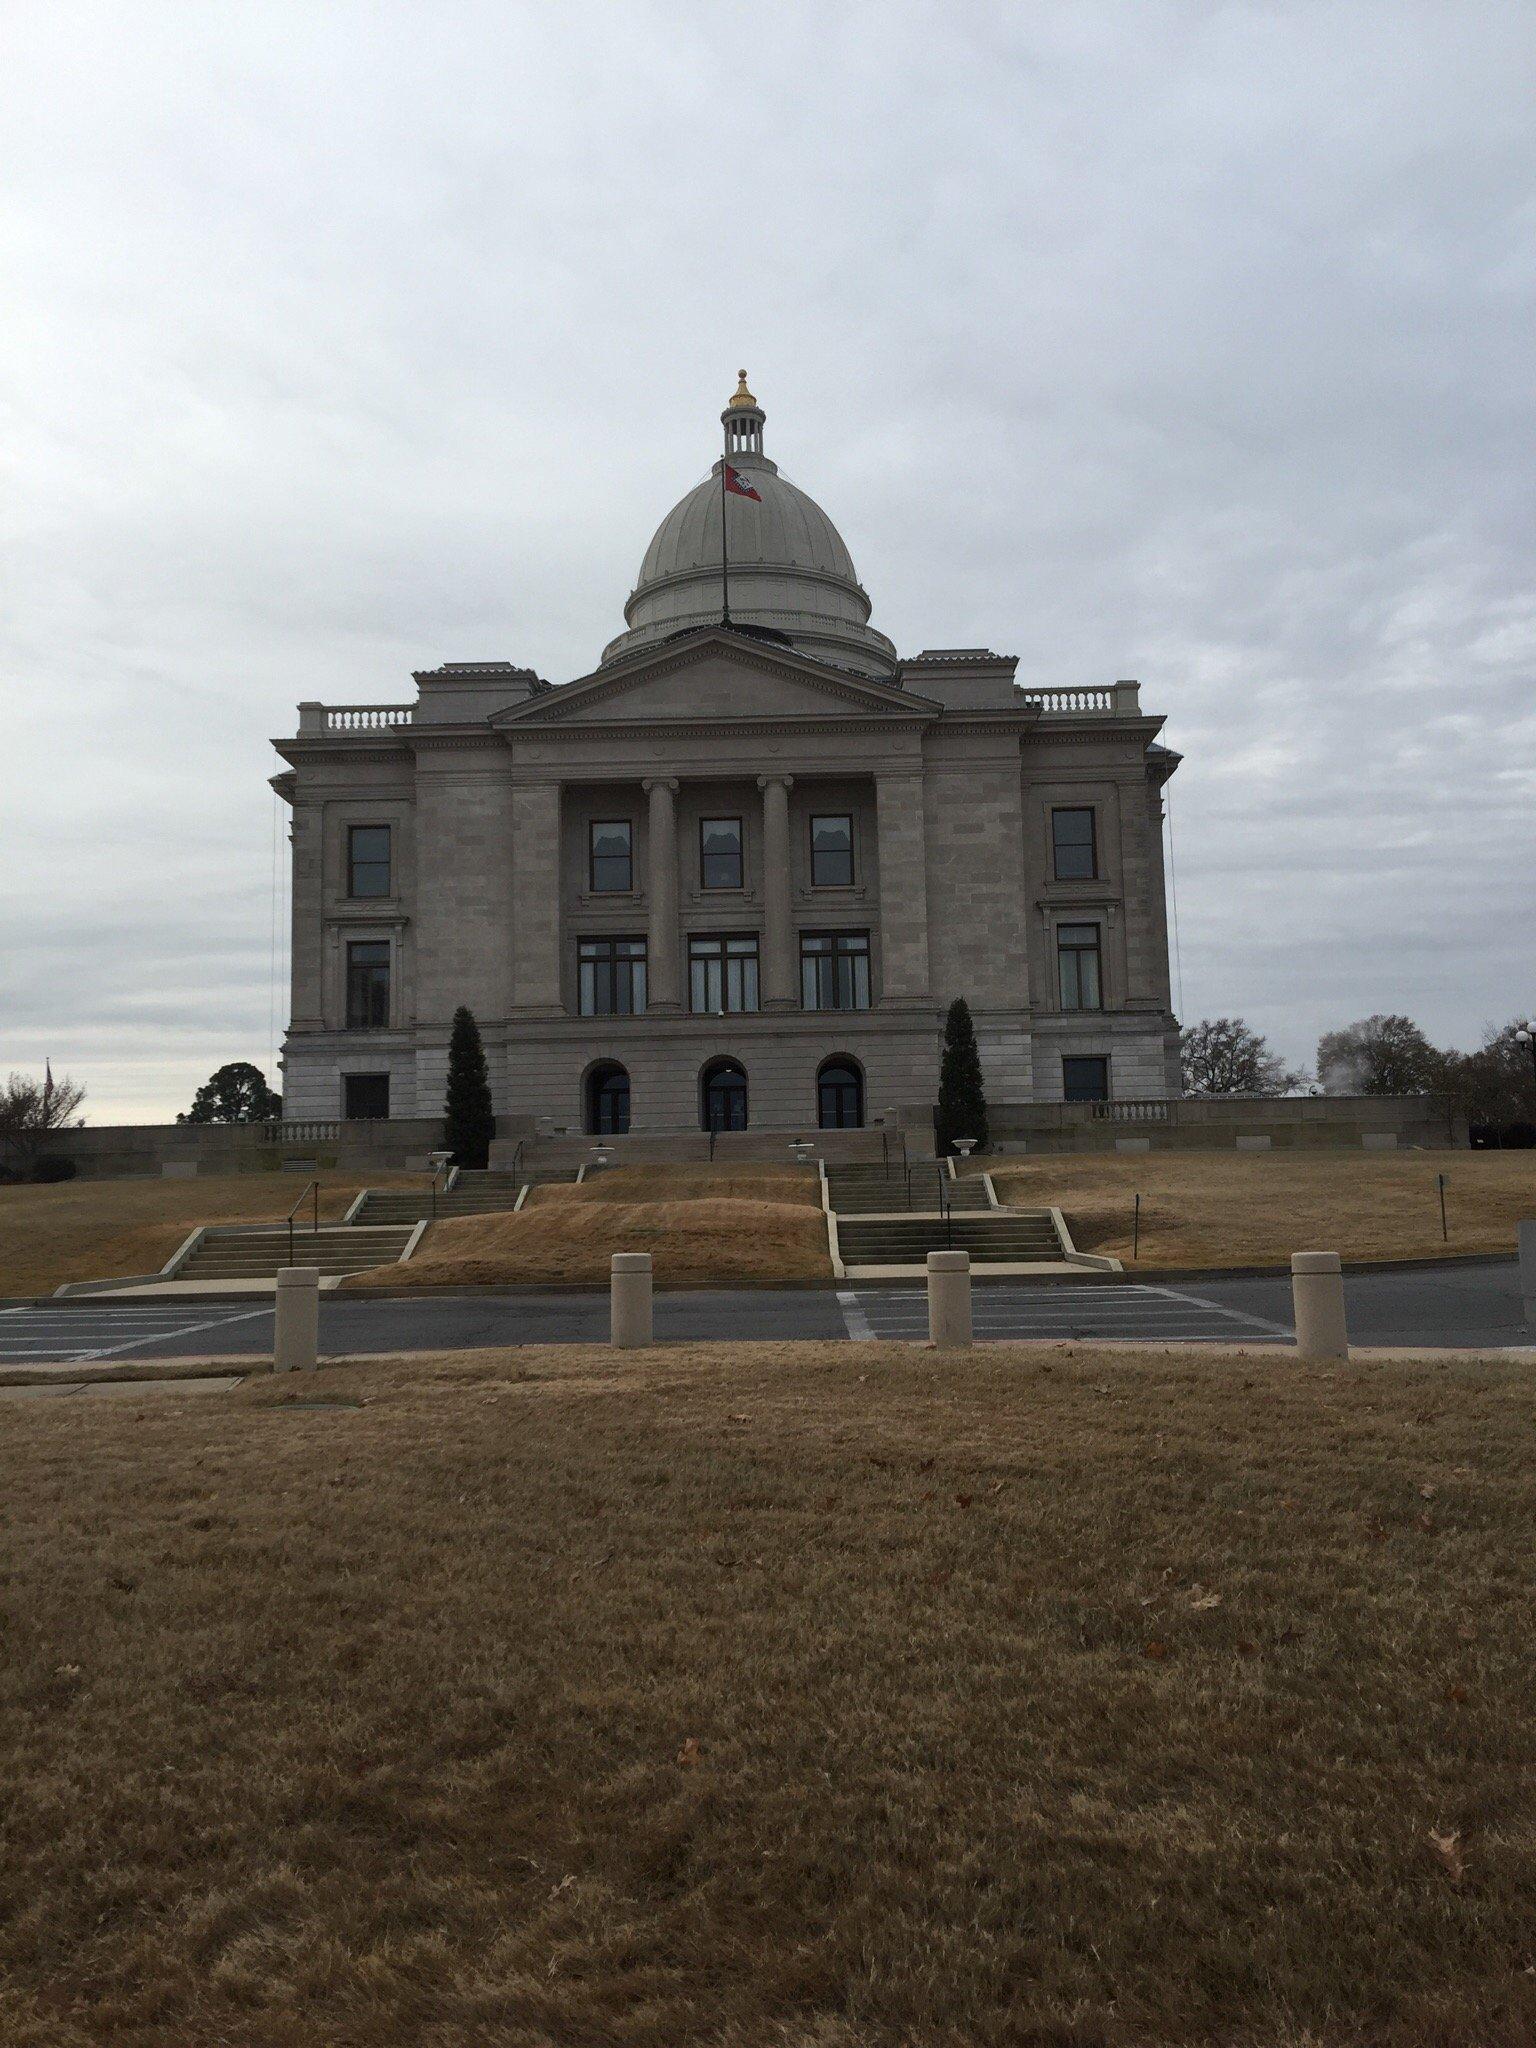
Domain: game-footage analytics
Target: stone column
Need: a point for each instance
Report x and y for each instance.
(779, 992)
(903, 888)
(663, 982)
(536, 899)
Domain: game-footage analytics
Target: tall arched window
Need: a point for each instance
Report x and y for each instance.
(724, 1093)
(839, 1096)
(608, 1100)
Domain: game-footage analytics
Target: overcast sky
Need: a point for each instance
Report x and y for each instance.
(1180, 341)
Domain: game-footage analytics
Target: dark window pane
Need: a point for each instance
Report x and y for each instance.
(720, 853)
(611, 854)
(834, 970)
(1073, 844)
(1085, 1080)
(365, 1097)
(610, 976)
(368, 985)
(368, 860)
(832, 852)
(1077, 958)
(722, 973)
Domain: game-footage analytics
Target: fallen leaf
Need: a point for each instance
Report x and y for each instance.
(66, 1671)
(1448, 1849)
(1427, 1524)
(688, 1755)
(997, 1486)
(939, 1578)
(929, 1495)
(1202, 1602)
(1457, 1695)
(1426, 1491)
(1247, 1649)
(963, 1500)
(1158, 1650)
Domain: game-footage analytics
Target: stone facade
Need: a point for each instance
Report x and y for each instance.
(490, 785)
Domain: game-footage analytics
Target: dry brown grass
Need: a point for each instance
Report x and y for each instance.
(768, 1228)
(834, 1696)
(97, 1229)
(1240, 1209)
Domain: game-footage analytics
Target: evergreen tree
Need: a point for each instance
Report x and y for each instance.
(236, 1094)
(962, 1103)
(469, 1123)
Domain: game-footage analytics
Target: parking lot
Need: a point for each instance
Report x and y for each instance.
(1148, 1313)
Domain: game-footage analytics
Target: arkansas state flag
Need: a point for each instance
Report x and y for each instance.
(737, 483)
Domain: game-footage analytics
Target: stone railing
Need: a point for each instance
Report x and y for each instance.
(301, 1131)
(1109, 700)
(354, 717)
(1153, 1109)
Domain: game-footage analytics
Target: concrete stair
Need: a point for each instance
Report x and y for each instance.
(1001, 1236)
(472, 1194)
(875, 1189)
(256, 1254)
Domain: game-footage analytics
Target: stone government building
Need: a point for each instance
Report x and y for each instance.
(734, 876)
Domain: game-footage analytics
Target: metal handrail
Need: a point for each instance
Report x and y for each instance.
(312, 1190)
(517, 1158)
(712, 1137)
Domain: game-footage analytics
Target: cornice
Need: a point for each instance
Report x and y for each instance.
(715, 728)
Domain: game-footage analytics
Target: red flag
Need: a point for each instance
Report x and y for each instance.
(740, 485)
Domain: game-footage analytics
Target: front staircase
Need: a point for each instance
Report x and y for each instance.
(474, 1193)
(925, 1184)
(1019, 1237)
(239, 1252)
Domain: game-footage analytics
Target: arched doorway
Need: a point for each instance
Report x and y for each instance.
(839, 1096)
(725, 1096)
(608, 1100)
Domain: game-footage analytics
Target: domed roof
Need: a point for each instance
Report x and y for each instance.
(787, 568)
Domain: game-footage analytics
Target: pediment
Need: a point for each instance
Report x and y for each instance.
(714, 675)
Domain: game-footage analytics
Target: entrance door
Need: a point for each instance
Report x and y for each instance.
(725, 1097)
(608, 1102)
(839, 1097)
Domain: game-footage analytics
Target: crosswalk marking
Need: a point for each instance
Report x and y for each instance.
(1047, 1310)
(79, 1336)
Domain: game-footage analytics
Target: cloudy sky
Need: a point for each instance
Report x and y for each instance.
(1184, 341)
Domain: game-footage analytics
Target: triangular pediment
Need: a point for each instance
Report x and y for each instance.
(715, 674)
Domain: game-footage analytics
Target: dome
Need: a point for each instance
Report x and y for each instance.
(788, 571)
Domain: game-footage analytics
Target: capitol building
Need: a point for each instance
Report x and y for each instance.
(733, 877)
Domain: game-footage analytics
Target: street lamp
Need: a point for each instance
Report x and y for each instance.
(1525, 1034)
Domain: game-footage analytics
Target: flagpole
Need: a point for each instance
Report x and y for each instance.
(725, 560)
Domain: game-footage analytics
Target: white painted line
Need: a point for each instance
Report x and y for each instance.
(187, 1330)
(1235, 1315)
(854, 1317)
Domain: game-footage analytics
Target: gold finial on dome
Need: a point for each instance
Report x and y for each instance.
(742, 395)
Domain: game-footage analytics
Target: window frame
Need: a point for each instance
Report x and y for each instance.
(746, 958)
(1077, 953)
(1090, 811)
(347, 1115)
(637, 957)
(1097, 1059)
(818, 946)
(827, 817)
(741, 853)
(367, 990)
(354, 862)
(594, 826)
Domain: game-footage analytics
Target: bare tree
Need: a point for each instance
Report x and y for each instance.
(30, 1111)
(1224, 1056)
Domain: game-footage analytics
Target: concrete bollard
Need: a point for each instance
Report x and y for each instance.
(296, 1325)
(629, 1298)
(949, 1299)
(1317, 1291)
(1525, 1235)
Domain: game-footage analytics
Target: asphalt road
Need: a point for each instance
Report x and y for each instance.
(1454, 1305)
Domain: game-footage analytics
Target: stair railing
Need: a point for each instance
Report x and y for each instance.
(517, 1159)
(440, 1174)
(312, 1191)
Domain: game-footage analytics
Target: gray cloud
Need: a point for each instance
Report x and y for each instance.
(1186, 341)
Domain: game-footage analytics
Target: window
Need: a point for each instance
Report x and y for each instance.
(722, 973)
(834, 970)
(1077, 961)
(368, 984)
(364, 1097)
(612, 977)
(720, 853)
(832, 852)
(1084, 1080)
(610, 856)
(1074, 850)
(368, 860)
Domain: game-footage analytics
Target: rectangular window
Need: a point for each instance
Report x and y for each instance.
(722, 973)
(834, 970)
(368, 860)
(720, 853)
(611, 856)
(1077, 961)
(368, 985)
(1073, 846)
(612, 977)
(364, 1097)
(832, 852)
(1085, 1080)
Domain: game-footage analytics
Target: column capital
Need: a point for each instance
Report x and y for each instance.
(650, 782)
(766, 781)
